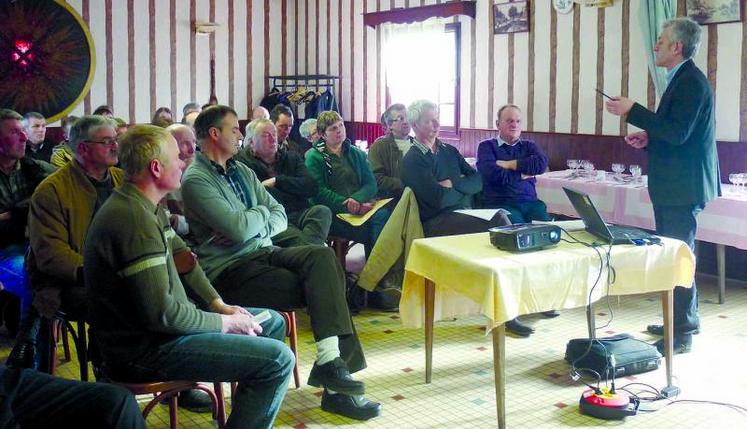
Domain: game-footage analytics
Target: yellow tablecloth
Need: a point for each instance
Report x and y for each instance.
(473, 277)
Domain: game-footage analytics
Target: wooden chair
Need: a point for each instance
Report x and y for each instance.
(168, 390)
(292, 334)
(341, 246)
(60, 326)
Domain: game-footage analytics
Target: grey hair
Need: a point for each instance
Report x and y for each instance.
(85, 127)
(28, 115)
(687, 31)
(307, 127)
(417, 108)
(388, 116)
(173, 128)
(504, 107)
(252, 127)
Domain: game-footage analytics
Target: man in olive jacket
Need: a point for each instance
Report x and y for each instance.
(683, 164)
(387, 151)
(61, 211)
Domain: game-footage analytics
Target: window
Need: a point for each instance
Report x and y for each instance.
(421, 61)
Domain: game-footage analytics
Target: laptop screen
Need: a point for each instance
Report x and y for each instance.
(589, 214)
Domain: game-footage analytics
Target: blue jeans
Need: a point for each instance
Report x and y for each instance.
(13, 274)
(680, 222)
(262, 365)
(367, 234)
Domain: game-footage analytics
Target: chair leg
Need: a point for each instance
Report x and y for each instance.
(54, 330)
(65, 341)
(220, 409)
(292, 334)
(293, 339)
(173, 413)
(82, 350)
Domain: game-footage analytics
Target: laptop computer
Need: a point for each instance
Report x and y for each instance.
(595, 225)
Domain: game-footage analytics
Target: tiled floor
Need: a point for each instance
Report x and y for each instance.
(539, 392)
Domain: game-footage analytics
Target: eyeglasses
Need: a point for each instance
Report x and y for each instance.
(105, 142)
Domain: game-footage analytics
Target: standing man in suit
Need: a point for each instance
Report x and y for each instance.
(683, 164)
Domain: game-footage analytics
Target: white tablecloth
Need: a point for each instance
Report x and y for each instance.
(724, 220)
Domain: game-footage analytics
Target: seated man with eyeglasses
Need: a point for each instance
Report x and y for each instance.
(60, 211)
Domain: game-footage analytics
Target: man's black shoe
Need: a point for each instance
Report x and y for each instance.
(516, 327)
(194, 400)
(682, 344)
(22, 355)
(334, 375)
(659, 330)
(355, 407)
(385, 299)
(551, 313)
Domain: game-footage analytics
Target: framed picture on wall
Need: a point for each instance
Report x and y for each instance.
(714, 11)
(511, 17)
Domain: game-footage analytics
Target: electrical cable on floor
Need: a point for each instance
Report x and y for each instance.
(575, 376)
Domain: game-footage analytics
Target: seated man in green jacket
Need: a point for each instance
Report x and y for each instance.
(144, 326)
(284, 175)
(387, 151)
(233, 218)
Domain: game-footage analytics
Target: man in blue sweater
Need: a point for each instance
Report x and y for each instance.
(508, 165)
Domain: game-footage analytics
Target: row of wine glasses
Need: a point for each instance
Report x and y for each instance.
(586, 165)
(635, 170)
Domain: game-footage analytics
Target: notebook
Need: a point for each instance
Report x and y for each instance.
(595, 225)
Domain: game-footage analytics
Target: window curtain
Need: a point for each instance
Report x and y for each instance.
(409, 54)
(651, 15)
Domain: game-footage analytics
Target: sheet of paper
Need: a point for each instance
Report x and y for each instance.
(358, 220)
(486, 214)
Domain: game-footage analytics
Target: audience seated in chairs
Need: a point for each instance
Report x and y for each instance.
(346, 183)
(441, 179)
(19, 177)
(387, 151)
(508, 165)
(233, 218)
(283, 174)
(144, 326)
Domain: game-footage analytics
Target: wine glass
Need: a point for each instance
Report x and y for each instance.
(741, 181)
(588, 168)
(572, 164)
(635, 171)
(618, 169)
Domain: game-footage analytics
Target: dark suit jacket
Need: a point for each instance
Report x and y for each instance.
(682, 159)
